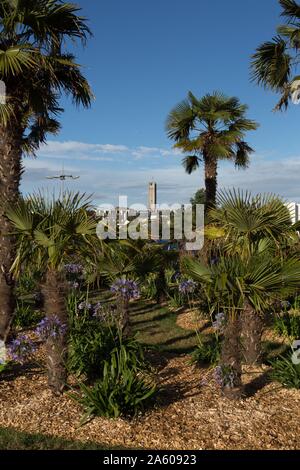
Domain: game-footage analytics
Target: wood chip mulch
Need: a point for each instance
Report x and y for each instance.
(191, 412)
(190, 319)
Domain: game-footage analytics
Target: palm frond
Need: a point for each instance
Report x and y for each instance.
(271, 64)
(190, 163)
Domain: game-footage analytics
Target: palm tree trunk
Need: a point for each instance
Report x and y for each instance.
(231, 358)
(56, 347)
(252, 329)
(125, 317)
(211, 173)
(10, 175)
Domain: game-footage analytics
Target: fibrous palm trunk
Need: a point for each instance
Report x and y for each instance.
(211, 173)
(252, 329)
(231, 359)
(124, 317)
(10, 175)
(56, 346)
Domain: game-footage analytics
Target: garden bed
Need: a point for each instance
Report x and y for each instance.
(191, 413)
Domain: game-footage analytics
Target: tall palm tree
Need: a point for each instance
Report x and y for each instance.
(274, 64)
(48, 233)
(234, 285)
(252, 225)
(37, 71)
(211, 128)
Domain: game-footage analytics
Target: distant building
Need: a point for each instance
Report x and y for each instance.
(152, 196)
(294, 210)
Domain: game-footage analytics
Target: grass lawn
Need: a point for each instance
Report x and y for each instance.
(156, 326)
(15, 440)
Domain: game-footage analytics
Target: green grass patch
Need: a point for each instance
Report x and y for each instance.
(156, 326)
(16, 440)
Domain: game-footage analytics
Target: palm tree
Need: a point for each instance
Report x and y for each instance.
(37, 71)
(48, 233)
(274, 62)
(211, 128)
(234, 285)
(252, 225)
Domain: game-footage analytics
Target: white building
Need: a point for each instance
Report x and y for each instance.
(294, 209)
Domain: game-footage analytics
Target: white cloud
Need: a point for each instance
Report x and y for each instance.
(265, 174)
(54, 147)
(100, 152)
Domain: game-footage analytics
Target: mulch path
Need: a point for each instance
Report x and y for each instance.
(191, 412)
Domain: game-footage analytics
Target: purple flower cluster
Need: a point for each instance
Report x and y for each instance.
(73, 268)
(21, 349)
(176, 276)
(84, 306)
(219, 322)
(74, 285)
(225, 376)
(126, 289)
(50, 327)
(187, 286)
(93, 309)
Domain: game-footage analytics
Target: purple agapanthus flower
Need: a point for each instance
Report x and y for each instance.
(96, 309)
(126, 289)
(73, 268)
(187, 287)
(219, 322)
(84, 305)
(21, 349)
(50, 327)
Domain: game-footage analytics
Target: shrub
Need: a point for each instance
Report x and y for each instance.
(285, 372)
(90, 345)
(287, 324)
(92, 342)
(176, 299)
(26, 316)
(123, 389)
(207, 352)
(149, 288)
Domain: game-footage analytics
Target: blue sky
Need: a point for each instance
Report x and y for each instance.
(144, 57)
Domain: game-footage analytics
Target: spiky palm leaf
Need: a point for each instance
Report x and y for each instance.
(274, 61)
(252, 223)
(232, 280)
(49, 231)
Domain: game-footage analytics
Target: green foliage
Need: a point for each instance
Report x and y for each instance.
(285, 372)
(33, 40)
(207, 352)
(149, 287)
(287, 324)
(258, 278)
(51, 230)
(3, 367)
(27, 283)
(26, 316)
(198, 198)
(275, 61)
(91, 343)
(176, 299)
(122, 390)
